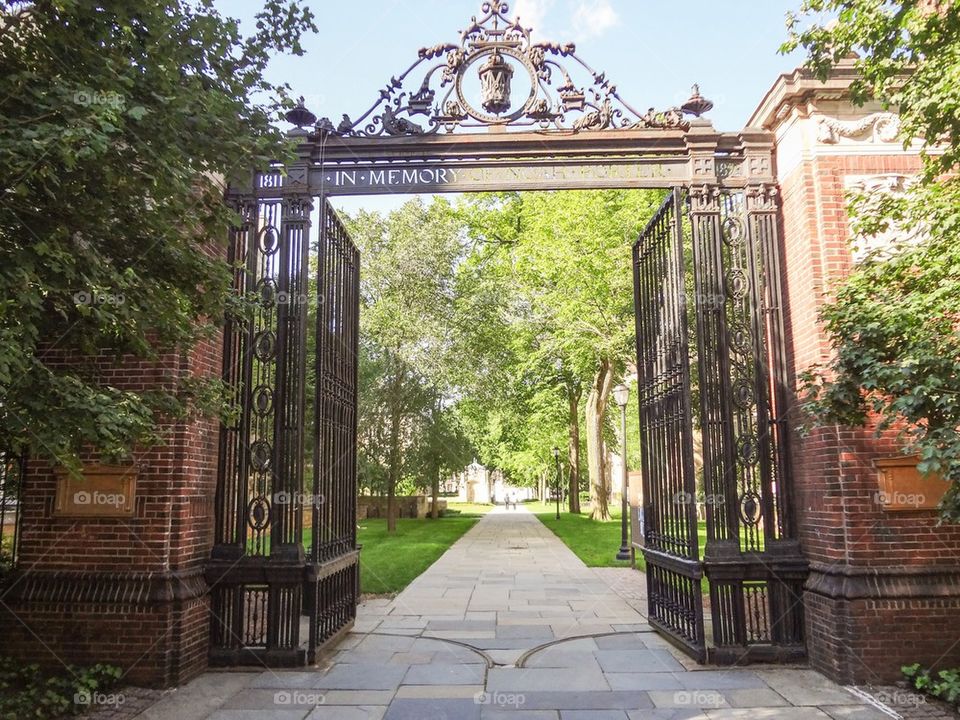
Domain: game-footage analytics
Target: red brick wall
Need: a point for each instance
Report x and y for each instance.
(124, 591)
(884, 586)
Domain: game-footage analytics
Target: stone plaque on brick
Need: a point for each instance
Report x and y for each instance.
(102, 491)
(903, 487)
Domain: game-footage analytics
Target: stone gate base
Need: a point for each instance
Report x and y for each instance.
(866, 624)
(154, 628)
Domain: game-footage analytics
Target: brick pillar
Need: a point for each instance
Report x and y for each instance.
(126, 591)
(884, 586)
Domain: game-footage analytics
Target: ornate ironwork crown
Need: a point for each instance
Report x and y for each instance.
(499, 49)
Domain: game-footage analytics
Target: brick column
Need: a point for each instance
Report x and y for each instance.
(884, 587)
(126, 591)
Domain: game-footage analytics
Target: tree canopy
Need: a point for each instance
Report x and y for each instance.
(409, 429)
(119, 124)
(546, 313)
(496, 327)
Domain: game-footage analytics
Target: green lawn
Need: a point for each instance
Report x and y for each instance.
(388, 563)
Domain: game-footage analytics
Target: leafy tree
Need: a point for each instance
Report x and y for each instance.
(512, 382)
(895, 322)
(441, 447)
(119, 124)
(493, 345)
(407, 270)
(569, 258)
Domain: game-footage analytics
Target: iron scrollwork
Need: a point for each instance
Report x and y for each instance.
(500, 51)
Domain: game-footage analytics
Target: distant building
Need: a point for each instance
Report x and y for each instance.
(477, 484)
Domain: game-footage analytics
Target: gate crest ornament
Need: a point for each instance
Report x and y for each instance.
(499, 53)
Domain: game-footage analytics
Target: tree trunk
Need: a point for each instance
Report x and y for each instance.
(573, 447)
(394, 472)
(435, 510)
(396, 420)
(596, 452)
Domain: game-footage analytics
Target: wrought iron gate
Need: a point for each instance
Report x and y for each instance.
(716, 289)
(671, 546)
(333, 548)
(265, 585)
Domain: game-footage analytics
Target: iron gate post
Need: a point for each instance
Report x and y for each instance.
(287, 500)
(751, 560)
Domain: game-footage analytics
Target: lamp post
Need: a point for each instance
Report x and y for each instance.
(556, 458)
(621, 394)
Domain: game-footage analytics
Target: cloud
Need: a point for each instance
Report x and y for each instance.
(582, 19)
(532, 13)
(592, 18)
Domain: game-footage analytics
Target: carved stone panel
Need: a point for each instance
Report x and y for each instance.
(873, 188)
(878, 128)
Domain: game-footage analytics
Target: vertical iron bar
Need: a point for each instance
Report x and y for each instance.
(287, 485)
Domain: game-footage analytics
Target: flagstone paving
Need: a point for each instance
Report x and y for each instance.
(510, 624)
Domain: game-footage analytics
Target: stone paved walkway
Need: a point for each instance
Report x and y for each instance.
(476, 638)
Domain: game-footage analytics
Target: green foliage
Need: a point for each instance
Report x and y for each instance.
(410, 428)
(944, 685)
(479, 324)
(27, 692)
(908, 56)
(6, 552)
(543, 300)
(633, 429)
(894, 322)
(119, 124)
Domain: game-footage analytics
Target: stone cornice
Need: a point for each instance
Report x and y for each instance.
(110, 588)
(884, 583)
(798, 89)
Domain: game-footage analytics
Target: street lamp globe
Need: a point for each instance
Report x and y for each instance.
(621, 394)
(556, 451)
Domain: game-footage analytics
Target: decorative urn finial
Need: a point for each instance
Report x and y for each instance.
(495, 76)
(299, 115)
(697, 105)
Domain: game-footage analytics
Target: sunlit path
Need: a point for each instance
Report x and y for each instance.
(509, 623)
